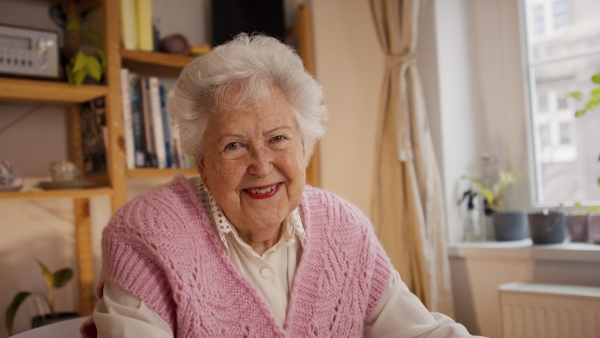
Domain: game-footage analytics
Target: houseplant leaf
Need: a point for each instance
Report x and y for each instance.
(93, 35)
(79, 76)
(12, 309)
(480, 186)
(93, 68)
(576, 95)
(80, 61)
(102, 57)
(62, 277)
(74, 25)
(46, 273)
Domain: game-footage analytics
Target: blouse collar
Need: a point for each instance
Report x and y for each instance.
(292, 225)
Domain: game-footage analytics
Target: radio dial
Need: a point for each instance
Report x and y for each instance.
(43, 45)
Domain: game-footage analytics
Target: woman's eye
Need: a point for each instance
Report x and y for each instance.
(232, 146)
(278, 138)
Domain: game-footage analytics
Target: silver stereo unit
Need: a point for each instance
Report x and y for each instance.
(28, 52)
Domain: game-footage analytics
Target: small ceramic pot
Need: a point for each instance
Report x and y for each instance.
(39, 321)
(510, 226)
(594, 228)
(7, 173)
(547, 228)
(63, 171)
(577, 227)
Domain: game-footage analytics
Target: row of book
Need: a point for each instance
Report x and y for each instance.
(151, 141)
(137, 32)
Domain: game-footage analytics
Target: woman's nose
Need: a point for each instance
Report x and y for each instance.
(262, 162)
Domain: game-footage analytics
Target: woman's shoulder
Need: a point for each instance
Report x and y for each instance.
(173, 198)
(318, 202)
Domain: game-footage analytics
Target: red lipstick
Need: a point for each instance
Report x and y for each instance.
(269, 190)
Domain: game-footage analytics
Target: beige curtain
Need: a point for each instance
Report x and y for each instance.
(408, 205)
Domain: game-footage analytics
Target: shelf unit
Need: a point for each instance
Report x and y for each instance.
(30, 91)
(114, 184)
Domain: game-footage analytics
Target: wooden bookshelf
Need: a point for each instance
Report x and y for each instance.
(159, 173)
(156, 59)
(63, 193)
(38, 91)
(58, 93)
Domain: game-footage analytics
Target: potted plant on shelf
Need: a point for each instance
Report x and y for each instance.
(86, 63)
(54, 281)
(547, 226)
(594, 224)
(576, 222)
(508, 225)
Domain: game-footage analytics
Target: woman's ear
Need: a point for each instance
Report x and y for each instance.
(199, 160)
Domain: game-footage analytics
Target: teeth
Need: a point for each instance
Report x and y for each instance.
(264, 191)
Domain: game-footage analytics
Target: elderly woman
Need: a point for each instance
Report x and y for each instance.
(247, 249)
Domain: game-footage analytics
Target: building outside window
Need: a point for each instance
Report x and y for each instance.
(563, 52)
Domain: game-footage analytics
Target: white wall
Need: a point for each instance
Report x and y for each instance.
(349, 65)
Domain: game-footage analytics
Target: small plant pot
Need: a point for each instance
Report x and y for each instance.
(594, 228)
(577, 227)
(38, 321)
(547, 228)
(510, 226)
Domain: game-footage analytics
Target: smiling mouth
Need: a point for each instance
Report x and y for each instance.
(263, 192)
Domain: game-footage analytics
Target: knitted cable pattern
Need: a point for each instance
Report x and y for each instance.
(162, 248)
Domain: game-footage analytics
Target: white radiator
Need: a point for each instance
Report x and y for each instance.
(532, 310)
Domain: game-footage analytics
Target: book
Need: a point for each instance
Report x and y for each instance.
(127, 119)
(129, 28)
(137, 120)
(93, 130)
(166, 120)
(150, 156)
(145, 34)
(157, 122)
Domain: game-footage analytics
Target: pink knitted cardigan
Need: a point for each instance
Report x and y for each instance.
(162, 248)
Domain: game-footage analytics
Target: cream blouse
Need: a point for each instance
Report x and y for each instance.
(399, 313)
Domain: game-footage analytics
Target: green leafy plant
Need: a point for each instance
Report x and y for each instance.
(493, 195)
(54, 281)
(594, 97)
(595, 208)
(89, 61)
(592, 103)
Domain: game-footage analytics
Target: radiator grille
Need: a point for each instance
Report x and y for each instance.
(533, 310)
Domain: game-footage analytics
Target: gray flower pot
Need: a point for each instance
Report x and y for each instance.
(547, 228)
(510, 226)
(594, 228)
(577, 227)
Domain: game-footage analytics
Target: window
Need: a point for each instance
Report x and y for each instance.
(545, 139)
(560, 13)
(542, 103)
(539, 24)
(563, 52)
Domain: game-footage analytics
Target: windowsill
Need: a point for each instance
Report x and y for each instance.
(571, 252)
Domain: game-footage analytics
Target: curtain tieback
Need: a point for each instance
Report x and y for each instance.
(394, 60)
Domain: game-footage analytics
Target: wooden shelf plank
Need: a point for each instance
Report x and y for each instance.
(66, 193)
(159, 173)
(20, 90)
(159, 59)
(62, 2)
(83, 5)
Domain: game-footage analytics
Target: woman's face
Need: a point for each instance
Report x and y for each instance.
(253, 164)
